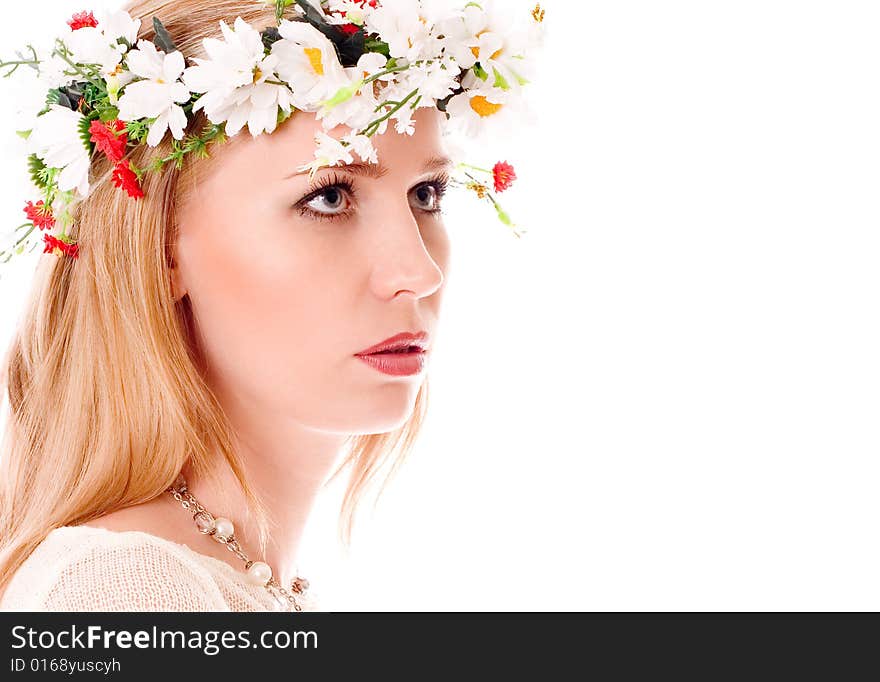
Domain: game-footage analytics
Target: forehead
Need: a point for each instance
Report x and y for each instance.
(271, 157)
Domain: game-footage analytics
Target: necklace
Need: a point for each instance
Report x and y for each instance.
(222, 530)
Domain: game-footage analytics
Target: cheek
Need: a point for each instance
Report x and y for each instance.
(269, 310)
(437, 243)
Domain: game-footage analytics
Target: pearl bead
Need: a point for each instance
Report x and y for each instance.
(259, 573)
(223, 529)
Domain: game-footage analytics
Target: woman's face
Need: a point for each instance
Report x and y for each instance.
(289, 280)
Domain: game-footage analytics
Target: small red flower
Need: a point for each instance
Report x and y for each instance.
(40, 214)
(110, 138)
(59, 247)
(82, 20)
(504, 176)
(124, 177)
(349, 29)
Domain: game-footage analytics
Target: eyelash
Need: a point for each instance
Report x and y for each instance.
(439, 182)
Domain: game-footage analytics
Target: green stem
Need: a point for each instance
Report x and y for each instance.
(467, 165)
(89, 77)
(24, 236)
(374, 126)
(28, 61)
(393, 69)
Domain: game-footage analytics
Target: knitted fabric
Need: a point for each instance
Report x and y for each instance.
(81, 568)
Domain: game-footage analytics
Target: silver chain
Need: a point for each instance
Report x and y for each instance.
(190, 503)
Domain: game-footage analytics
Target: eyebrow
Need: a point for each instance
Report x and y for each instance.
(377, 170)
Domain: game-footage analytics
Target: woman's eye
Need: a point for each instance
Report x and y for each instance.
(330, 201)
(427, 197)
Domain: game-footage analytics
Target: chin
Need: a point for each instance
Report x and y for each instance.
(388, 409)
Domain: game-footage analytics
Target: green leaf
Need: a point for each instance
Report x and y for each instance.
(284, 115)
(109, 114)
(84, 134)
(279, 8)
(374, 45)
(24, 134)
(500, 81)
(56, 96)
(163, 38)
(503, 216)
(36, 169)
(480, 72)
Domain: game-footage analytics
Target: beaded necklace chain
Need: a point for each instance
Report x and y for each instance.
(222, 530)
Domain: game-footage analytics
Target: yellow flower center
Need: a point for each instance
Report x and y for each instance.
(257, 74)
(476, 50)
(484, 107)
(314, 55)
(538, 13)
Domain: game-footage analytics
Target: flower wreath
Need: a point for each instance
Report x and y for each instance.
(361, 63)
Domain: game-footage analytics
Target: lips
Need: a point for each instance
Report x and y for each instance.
(401, 355)
(403, 343)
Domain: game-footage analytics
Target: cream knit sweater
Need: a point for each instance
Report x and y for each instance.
(81, 568)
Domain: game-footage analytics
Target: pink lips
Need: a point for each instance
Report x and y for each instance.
(401, 355)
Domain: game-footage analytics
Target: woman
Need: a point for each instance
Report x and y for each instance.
(211, 348)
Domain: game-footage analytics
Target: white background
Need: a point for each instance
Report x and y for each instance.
(666, 396)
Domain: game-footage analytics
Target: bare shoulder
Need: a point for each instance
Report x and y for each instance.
(155, 517)
(162, 517)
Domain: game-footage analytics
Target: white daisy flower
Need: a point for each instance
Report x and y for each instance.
(474, 111)
(433, 79)
(491, 36)
(307, 61)
(157, 95)
(233, 81)
(100, 44)
(411, 27)
(359, 109)
(328, 152)
(55, 138)
(118, 24)
(53, 70)
(362, 146)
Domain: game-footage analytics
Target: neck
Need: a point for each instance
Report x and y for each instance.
(286, 464)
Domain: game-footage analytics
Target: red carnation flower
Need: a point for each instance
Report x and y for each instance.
(110, 138)
(124, 177)
(504, 176)
(59, 247)
(40, 214)
(82, 20)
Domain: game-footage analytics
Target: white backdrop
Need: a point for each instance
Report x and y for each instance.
(666, 395)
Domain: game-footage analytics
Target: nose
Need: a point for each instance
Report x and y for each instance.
(403, 262)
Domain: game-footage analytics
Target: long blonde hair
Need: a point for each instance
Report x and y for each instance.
(106, 397)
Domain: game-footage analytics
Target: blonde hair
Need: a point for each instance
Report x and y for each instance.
(106, 397)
